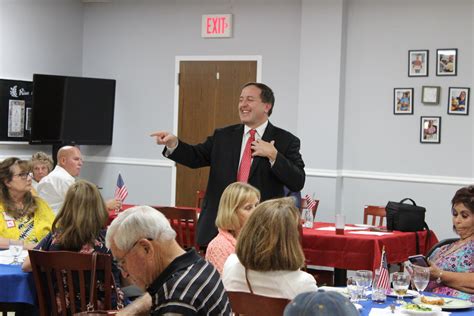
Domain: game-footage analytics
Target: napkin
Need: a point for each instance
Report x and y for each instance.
(332, 228)
(371, 233)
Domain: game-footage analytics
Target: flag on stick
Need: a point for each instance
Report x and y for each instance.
(121, 191)
(384, 278)
(310, 203)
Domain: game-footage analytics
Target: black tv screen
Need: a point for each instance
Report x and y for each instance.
(72, 110)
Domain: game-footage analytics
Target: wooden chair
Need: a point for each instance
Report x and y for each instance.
(184, 221)
(200, 194)
(256, 305)
(52, 268)
(377, 212)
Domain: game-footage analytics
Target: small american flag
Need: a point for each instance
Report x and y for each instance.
(384, 278)
(121, 191)
(310, 203)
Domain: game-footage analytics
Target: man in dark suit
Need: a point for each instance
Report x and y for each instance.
(270, 160)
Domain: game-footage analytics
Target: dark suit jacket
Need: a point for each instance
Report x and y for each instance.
(221, 152)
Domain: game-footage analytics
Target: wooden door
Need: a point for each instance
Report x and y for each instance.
(208, 98)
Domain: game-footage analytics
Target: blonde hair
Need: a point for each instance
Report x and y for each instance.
(42, 158)
(233, 198)
(6, 175)
(270, 240)
(81, 217)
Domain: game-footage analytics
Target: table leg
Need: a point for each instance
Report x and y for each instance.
(340, 277)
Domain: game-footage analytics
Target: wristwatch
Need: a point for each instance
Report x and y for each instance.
(438, 280)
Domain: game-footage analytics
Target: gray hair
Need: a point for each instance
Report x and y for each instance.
(136, 223)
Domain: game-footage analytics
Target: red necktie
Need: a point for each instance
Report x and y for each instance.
(246, 162)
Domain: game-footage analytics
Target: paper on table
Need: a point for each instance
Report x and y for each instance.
(371, 233)
(386, 311)
(332, 228)
(7, 258)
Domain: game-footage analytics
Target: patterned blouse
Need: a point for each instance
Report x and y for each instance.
(221, 247)
(50, 243)
(448, 258)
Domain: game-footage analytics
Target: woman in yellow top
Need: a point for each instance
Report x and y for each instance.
(22, 215)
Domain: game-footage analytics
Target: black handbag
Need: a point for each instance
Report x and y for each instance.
(405, 217)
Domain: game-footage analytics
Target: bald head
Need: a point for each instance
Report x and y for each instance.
(70, 158)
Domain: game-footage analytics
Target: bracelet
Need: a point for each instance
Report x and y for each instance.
(438, 280)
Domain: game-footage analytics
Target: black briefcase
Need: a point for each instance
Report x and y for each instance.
(405, 217)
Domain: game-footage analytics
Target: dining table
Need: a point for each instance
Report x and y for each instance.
(360, 247)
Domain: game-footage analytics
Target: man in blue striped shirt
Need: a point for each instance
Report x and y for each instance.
(177, 282)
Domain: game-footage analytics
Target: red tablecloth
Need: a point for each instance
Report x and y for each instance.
(356, 252)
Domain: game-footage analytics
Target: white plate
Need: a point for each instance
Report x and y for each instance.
(434, 310)
(358, 306)
(341, 290)
(449, 303)
(410, 293)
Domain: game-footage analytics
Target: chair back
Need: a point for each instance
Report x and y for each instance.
(378, 213)
(62, 276)
(441, 243)
(184, 222)
(304, 206)
(200, 194)
(256, 305)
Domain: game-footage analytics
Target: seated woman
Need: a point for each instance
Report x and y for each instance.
(237, 203)
(22, 215)
(269, 254)
(42, 165)
(79, 226)
(451, 266)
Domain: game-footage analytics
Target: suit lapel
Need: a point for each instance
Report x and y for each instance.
(267, 136)
(236, 145)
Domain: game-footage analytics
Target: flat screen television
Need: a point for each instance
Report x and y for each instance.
(72, 110)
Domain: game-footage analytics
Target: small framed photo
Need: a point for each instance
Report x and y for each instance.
(418, 63)
(430, 129)
(403, 101)
(447, 62)
(458, 101)
(430, 94)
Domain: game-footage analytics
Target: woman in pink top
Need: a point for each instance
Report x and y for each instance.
(237, 203)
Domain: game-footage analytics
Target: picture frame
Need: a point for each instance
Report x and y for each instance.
(458, 101)
(430, 129)
(418, 63)
(403, 101)
(430, 94)
(447, 62)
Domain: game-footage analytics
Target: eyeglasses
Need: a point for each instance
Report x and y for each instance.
(24, 175)
(121, 261)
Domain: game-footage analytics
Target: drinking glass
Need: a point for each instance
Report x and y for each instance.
(15, 247)
(400, 282)
(353, 289)
(364, 281)
(340, 221)
(379, 294)
(421, 278)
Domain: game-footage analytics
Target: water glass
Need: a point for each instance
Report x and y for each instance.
(400, 282)
(364, 281)
(340, 223)
(307, 218)
(379, 294)
(421, 278)
(15, 247)
(353, 289)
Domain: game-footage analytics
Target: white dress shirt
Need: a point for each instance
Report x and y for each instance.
(54, 186)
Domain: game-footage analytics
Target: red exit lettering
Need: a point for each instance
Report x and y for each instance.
(216, 25)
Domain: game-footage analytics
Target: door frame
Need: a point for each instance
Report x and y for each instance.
(178, 60)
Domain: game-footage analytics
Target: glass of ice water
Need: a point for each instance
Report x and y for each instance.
(15, 247)
(421, 278)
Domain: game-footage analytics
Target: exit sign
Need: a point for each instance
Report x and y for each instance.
(216, 25)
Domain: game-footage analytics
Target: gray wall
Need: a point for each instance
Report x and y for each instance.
(332, 63)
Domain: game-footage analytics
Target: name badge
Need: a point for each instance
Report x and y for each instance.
(10, 223)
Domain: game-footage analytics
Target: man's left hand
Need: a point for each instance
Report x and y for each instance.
(264, 149)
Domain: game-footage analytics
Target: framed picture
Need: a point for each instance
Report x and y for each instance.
(403, 101)
(418, 63)
(447, 62)
(430, 129)
(430, 94)
(458, 101)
